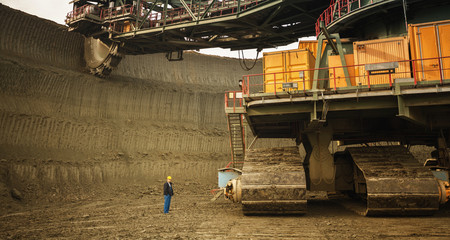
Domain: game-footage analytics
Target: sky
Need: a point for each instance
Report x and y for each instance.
(56, 11)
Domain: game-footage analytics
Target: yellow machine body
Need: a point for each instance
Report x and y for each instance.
(286, 66)
(430, 41)
(336, 72)
(380, 51)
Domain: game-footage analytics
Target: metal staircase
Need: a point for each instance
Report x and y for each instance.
(237, 143)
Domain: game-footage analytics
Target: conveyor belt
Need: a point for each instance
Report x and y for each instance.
(395, 182)
(273, 182)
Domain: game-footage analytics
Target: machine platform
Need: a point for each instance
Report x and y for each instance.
(165, 26)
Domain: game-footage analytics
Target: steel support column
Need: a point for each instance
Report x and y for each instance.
(411, 114)
(319, 163)
(337, 49)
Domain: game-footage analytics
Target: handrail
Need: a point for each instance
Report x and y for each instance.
(253, 83)
(339, 8)
(82, 11)
(230, 163)
(234, 101)
(114, 12)
(172, 16)
(218, 9)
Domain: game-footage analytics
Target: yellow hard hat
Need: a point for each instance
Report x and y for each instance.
(169, 177)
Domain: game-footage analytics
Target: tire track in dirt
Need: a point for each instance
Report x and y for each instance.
(193, 216)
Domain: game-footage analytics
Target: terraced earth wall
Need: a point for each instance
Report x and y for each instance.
(61, 128)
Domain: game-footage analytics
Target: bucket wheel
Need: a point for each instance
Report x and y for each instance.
(101, 58)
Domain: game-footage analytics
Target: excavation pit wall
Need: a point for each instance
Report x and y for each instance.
(65, 134)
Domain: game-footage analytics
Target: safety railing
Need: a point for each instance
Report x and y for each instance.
(230, 164)
(170, 16)
(115, 12)
(198, 11)
(339, 8)
(233, 100)
(102, 14)
(83, 11)
(427, 71)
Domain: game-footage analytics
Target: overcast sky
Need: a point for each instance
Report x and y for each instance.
(56, 11)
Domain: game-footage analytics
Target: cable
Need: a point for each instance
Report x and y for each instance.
(243, 64)
(404, 13)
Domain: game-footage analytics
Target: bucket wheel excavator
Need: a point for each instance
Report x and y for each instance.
(115, 28)
(379, 83)
(101, 58)
(378, 73)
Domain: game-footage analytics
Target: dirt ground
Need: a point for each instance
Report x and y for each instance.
(135, 212)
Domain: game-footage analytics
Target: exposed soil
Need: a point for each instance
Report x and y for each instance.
(135, 212)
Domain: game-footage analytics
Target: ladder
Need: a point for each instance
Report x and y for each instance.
(237, 143)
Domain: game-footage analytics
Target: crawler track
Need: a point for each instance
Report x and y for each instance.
(273, 182)
(394, 182)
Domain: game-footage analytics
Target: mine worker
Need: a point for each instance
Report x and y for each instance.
(229, 191)
(168, 193)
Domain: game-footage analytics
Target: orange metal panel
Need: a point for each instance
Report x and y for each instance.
(285, 66)
(296, 62)
(273, 63)
(336, 72)
(431, 40)
(310, 45)
(444, 43)
(429, 69)
(379, 51)
(412, 32)
(126, 26)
